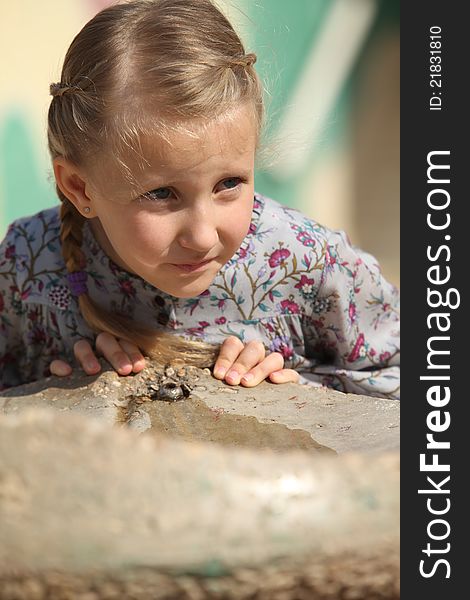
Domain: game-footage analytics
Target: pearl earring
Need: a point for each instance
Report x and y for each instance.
(86, 209)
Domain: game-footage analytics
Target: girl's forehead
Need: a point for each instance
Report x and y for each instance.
(182, 145)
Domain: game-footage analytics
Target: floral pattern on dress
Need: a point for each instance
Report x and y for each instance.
(300, 288)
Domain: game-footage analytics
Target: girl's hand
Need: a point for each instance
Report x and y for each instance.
(123, 356)
(248, 364)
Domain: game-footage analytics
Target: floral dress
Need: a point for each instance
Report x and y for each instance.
(299, 287)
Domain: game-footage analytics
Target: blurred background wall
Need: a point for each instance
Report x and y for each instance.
(331, 71)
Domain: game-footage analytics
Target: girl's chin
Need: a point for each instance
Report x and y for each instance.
(186, 289)
(188, 293)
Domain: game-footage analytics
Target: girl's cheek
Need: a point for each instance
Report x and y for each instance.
(243, 219)
(148, 227)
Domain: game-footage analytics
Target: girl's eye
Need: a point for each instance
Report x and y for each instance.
(164, 193)
(231, 183)
(158, 194)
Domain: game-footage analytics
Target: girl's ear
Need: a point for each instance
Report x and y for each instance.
(72, 184)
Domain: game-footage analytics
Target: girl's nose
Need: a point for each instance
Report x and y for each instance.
(199, 231)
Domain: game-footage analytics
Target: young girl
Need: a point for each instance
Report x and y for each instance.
(160, 246)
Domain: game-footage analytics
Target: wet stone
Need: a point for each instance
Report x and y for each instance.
(192, 420)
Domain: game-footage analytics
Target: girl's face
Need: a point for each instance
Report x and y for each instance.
(192, 209)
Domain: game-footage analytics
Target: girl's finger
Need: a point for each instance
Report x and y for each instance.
(112, 350)
(252, 354)
(135, 356)
(86, 357)
(285, 376)
(229, 352)
(273, 362)
(60, 368)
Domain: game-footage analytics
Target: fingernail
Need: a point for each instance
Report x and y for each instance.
(92, 366)
(232, 375)
(220, 372)
(248, 377)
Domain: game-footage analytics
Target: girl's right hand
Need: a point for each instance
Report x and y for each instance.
(123, 356)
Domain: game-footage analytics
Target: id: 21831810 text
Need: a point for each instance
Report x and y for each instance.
(435, 67)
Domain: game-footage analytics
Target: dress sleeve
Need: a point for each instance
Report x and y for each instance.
(11, 316)
(30, 336)
(352, 332)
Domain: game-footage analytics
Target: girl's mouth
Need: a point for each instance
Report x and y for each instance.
(190, 268)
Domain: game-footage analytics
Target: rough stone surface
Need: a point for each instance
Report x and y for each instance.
(107, 507)
(348, 577)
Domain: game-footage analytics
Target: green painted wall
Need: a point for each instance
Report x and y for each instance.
(24, 183)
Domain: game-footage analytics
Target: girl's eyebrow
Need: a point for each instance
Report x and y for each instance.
(229, 172)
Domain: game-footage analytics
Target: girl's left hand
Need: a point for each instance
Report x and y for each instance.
(248, 365)
(123, 356)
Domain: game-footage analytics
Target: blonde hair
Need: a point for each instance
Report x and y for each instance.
(182, 58)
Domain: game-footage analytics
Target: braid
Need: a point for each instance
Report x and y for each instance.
(155, 344)
(71, 235)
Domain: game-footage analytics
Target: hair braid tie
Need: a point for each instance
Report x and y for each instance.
(77, 282)
(245, 61)
(57, 90)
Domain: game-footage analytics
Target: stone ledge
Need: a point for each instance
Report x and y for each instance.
(343, 422)
(77, 494)
(96, 503)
